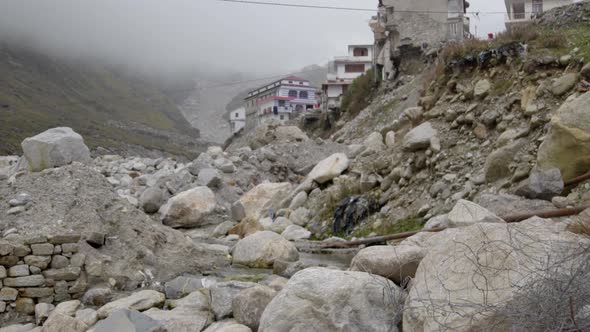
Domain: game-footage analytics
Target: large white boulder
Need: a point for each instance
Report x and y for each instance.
(329, 168)
(55, 147)
(393, 262)
(261, 249)
(261, 198)
(466, 213)
(319, 299)
(188, 208)
(470, 274)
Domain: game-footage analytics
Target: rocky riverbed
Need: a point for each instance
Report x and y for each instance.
(485, 181)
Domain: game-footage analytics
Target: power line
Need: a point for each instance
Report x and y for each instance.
(282, 4)
(294, 5)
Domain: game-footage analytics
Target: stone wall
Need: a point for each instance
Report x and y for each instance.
(41, 269)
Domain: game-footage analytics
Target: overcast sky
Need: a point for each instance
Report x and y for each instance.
(164, 34)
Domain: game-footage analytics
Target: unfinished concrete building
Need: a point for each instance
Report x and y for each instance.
(401, 25)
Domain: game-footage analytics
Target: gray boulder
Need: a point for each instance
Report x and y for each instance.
(497, 165)
(300, 216)
(564, 84)
(482, 89)
(567, 145)
(263, 197)
(396, 263)
(469, 275)
(229, 325)
(249, 304)
(238, 212)
(141, 300)
(277, 225)
(294, 233)
(152, 199)
(419, 138)
(124, 320)
(55, 147)
(542, 184)
(188, 208)
(298, 200)
(374, 142)
(182, 286)
(209, 177)
(349, 301)
(329, 168)
(261, 249)
(190, 313)
(466, 213)
(441, 221)
(222, 295)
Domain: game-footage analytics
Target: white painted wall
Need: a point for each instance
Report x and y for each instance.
(334, 91)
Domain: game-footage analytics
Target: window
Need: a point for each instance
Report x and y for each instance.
(236, 114)
(360, 52)
(453, 29)
(290, 82)
(354, 68)
(303, 95)
(518, 11)
(281, 103)
(293, 93)
(537, 7)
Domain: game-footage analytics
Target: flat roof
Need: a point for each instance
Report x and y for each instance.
(286, 78)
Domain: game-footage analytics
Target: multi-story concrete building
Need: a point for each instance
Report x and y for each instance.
(419, 23)
(342, 71)
(280, 101)
(237, 120)
(521, 12)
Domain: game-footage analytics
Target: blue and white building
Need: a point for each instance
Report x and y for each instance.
(280, 101)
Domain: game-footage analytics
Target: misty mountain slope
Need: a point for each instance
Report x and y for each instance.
(109, 109)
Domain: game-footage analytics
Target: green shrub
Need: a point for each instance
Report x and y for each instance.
(357, 97)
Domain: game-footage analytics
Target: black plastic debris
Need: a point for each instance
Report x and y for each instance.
(351, 211)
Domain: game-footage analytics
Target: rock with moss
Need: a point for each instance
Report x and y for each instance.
(567, 144)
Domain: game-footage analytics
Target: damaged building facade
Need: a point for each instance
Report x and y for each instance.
(407, 24)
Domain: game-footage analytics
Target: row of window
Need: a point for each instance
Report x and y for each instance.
(301, 95)
(354, 68)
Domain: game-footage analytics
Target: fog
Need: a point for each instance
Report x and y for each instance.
(181, 35)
